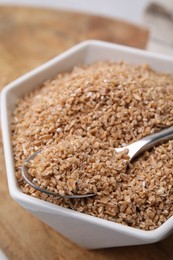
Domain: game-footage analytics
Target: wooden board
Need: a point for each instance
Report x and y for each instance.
(28, 37)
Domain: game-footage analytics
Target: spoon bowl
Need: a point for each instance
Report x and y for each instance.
(134, 150)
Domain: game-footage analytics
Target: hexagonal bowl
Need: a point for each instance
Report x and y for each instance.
(85, 230)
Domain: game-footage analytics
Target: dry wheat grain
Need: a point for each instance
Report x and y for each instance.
(99, 107)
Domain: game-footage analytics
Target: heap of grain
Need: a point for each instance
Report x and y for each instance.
(77, 119)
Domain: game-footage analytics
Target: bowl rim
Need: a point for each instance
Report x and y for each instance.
(20, 197)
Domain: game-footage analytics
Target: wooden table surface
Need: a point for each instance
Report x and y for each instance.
(28, 37)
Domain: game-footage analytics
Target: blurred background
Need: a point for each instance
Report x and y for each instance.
(33, 31)
(156, 15)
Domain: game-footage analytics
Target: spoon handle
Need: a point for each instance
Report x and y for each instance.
(149, 141)
(157, 138)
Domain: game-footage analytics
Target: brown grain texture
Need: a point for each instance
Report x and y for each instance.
(18, 240)
(77, 119)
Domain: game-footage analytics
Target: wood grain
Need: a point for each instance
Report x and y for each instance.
(29, 37)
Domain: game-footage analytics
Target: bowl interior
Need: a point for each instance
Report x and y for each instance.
(86, 52)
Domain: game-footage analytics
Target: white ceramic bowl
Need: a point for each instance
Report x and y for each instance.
(85, 230)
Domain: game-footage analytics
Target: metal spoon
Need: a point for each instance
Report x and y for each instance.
(29, 179)
(147, 142)
(134, 150)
